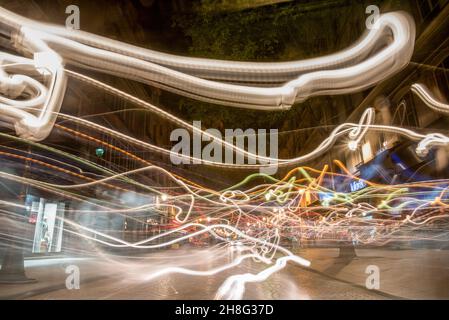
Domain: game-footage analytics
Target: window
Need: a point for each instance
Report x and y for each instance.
(367, 152)
(48, 219)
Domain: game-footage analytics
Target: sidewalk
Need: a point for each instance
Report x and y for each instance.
(51, 275)
(410, 274)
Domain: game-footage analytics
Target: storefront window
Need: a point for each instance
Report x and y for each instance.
(48, 218)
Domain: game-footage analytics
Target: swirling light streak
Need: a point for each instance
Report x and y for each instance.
(428, 98)
(47, 100)
(325, 75)
(356, 133)
(216, 69)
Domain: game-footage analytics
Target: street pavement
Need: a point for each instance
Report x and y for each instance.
(408, 274)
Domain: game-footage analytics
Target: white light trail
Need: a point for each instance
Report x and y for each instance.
(349, 71)
(47, 101)
(427, 97)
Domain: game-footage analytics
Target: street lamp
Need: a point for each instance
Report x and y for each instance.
(352, 145)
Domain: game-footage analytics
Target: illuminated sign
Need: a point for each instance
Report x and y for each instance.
(357, 185)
